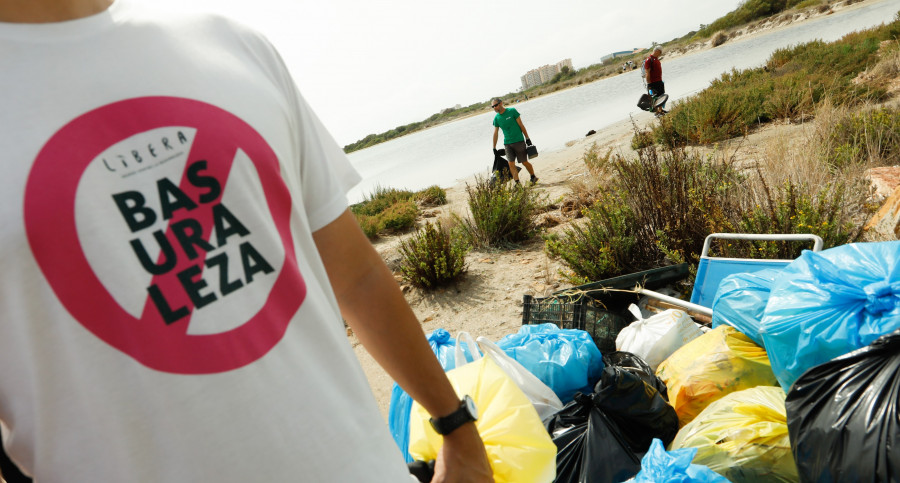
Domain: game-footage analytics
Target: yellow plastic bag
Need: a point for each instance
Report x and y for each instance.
(518, 447)
(707, 368)
(743, 437)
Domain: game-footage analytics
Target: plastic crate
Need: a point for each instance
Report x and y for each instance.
(577, 312)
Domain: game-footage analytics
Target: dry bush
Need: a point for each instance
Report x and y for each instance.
(598, 164)
(789, 157)
(583, 192)
(795, 188)
(719, 39)
(888, 68)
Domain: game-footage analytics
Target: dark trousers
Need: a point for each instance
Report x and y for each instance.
(657, 88)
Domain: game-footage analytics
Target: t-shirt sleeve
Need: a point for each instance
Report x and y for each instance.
(515, 114)
(496, 124)
(318, 168)
(326, 174)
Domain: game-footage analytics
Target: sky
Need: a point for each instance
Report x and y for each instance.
(367, 67)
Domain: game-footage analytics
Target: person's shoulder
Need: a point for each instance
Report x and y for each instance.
(191, 18)
(513, 111)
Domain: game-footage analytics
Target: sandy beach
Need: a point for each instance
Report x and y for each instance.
(487, 300)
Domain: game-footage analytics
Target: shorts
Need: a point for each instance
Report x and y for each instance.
(516, 152)
(657, 88)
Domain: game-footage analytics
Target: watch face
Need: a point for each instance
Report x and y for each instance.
(470, 406)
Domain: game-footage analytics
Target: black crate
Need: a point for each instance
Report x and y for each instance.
(577, 312)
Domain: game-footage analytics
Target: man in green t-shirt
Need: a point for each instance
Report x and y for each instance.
(515, 138)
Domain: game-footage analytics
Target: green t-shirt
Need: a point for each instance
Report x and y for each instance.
(507, 122)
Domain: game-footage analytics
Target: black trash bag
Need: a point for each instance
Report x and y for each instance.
(422, 470)
(843, 416)
(635, 365)
(645, 102)
(637, 408)
(590, 446)
(500, 172)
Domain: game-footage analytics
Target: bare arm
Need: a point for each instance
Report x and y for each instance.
(374, 307)
(496, 133)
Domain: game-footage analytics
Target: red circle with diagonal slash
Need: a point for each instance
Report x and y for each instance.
(52, 234)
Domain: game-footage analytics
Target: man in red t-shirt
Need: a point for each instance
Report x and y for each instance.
(653, 73)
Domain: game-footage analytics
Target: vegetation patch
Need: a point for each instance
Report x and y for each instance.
(390, 210)
(433, 256)
(866, 137)
(750, 11)
(502, 214)
(658, 207)
(790, 86)
(432, 196)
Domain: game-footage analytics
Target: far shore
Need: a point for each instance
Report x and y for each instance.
(773, 24)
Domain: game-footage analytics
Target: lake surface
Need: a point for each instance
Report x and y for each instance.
(447, 153)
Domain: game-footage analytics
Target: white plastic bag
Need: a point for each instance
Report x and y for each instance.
(654, 339)
(545, 401)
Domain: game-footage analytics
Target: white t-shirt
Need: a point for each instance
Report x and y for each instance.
(164, 314)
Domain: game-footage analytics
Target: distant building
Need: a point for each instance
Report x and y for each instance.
(544, 73)
(617, 54)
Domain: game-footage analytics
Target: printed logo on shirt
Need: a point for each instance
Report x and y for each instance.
(163, 226)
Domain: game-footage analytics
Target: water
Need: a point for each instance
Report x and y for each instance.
(447, 153)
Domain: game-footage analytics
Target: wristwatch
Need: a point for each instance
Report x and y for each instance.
(447, 424)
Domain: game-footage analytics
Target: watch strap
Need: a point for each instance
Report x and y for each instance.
(447, 424)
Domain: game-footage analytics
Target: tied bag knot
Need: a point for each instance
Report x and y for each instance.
(881, 296)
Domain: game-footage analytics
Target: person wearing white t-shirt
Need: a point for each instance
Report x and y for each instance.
(177, 261)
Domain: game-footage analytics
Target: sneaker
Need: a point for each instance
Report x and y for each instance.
(534, 179)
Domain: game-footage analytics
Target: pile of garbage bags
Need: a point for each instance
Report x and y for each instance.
(797, 379)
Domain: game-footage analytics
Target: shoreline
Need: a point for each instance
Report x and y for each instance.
(746, 32)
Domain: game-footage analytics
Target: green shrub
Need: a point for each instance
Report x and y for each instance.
(432, 257)
(659, 206)
(431, 196)
(792, 83)
(380, 199)
(792, 208)
(502, 215)
(399, 216)
(605, 245)
(808, 3)
(595, 162)
(677, 198)
(870, 136)
(746, 12)
(370, 225)
(641, 139)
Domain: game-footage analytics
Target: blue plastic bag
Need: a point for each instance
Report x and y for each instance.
(566, 360)
(398, 415)
(741, 301)
(829, 303)
(659, 466)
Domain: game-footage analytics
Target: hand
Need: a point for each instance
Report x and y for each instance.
(496, 152)
(528, 141)
(462, 458)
